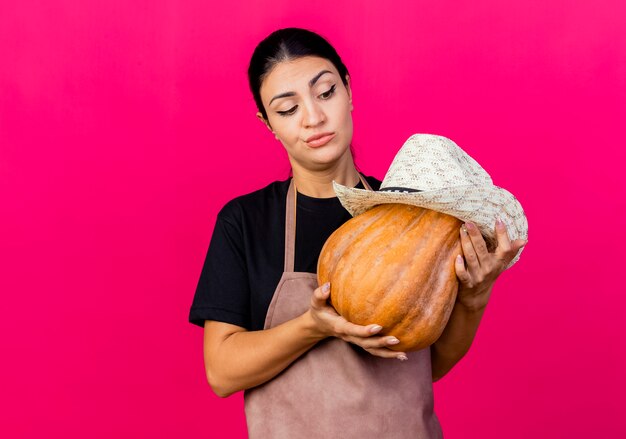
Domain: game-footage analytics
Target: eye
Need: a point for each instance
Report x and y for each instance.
(288, 112)
(326, 95)
(329, 93)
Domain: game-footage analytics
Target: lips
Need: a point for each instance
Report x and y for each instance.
(319, 139)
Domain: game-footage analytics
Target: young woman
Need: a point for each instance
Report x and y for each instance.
(268, 328)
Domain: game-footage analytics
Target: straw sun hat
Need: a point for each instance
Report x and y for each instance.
(433, 172)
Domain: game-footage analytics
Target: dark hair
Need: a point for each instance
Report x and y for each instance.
(286, 45)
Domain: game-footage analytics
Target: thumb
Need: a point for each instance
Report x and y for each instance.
(322, 293)
(520, 243)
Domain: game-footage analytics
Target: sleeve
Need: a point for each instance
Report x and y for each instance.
(222, 292)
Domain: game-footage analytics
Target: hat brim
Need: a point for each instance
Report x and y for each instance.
(478, 204)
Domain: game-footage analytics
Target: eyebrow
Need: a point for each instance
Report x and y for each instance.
(311, 84)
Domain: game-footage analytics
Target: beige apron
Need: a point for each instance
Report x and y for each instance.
(337, 389)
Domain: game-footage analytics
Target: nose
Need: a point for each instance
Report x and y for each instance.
(313, 114)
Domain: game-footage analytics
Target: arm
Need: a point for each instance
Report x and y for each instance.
(476, 284)
(237, 359)
(456, 339)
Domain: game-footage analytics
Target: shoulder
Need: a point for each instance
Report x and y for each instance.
(256, 203)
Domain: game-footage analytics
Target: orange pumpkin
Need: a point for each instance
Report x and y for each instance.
(394, 265)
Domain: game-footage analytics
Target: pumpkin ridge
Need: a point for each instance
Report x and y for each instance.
(356, 227)
(347, 264)
(388, 257)
(422, 311)
(394, 243)
(339, 241)
(437, 257)
(404, 218)
(406, 295)
(436, 307)
(449, 281)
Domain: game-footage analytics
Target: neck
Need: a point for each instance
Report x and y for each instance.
(319, 183)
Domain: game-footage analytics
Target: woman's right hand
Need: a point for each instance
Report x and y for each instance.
(329, 323)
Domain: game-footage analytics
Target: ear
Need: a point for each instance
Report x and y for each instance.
(265, 121)
(349, 90)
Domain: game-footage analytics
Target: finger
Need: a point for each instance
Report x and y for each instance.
(373, 342)
(461, 272)
(516, 246)
(504, 243)
(349, 329)
(506, 249)
(320, 295)
(471, 258)
(387, 353)
(478, 242)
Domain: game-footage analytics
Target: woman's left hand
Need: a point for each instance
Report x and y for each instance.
(483, 267)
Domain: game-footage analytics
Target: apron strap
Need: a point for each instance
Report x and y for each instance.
(365, 183)
(290, 223)
(290, 228)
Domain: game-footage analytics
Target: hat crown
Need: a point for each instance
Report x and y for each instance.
(428, 162)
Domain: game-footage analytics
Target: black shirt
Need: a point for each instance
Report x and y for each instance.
(245, 259)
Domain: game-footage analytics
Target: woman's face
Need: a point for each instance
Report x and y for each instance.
(303, 98)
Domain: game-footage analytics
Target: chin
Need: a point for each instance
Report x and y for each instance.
(328, 155)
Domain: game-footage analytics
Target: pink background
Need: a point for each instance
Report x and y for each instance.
(125, 127)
